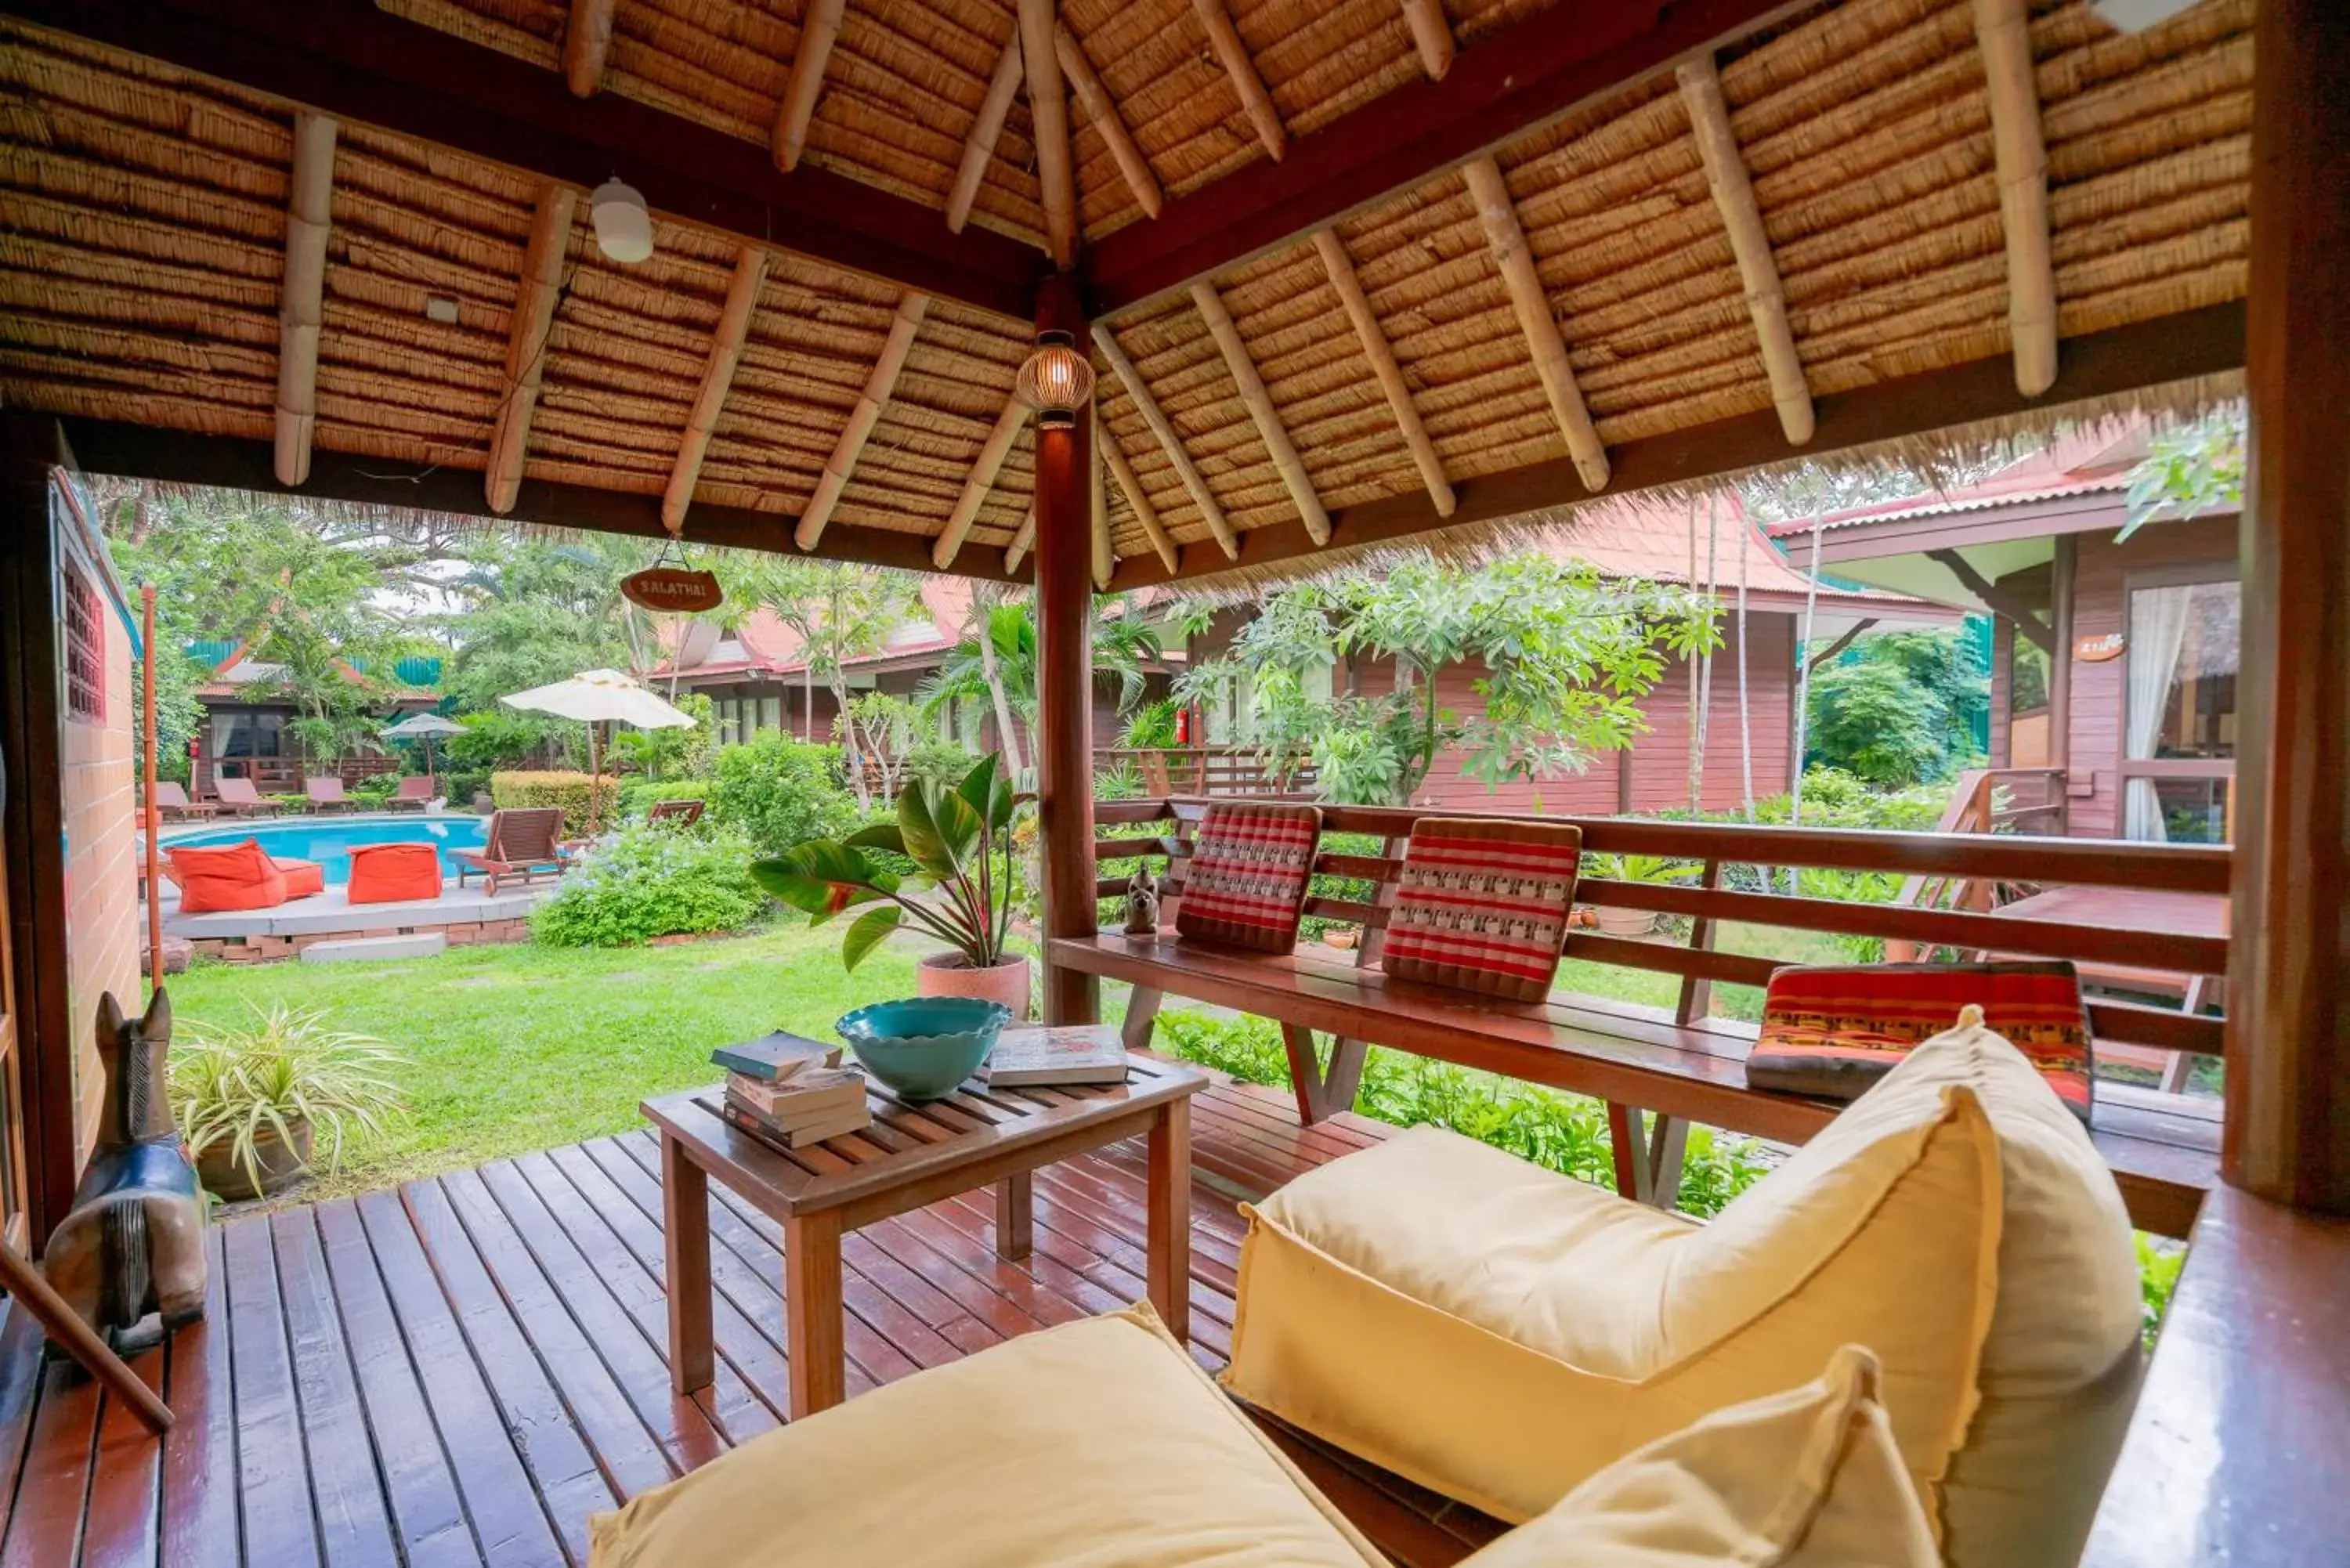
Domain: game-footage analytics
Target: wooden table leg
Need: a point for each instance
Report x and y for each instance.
(1170, 1216)
(812, 1311)
(685, 1266)
(1015, 1217)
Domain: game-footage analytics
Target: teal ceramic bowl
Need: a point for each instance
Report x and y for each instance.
(924, 1047)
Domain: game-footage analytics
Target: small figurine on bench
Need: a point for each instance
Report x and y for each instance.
(1141, 903)
(129, 1258)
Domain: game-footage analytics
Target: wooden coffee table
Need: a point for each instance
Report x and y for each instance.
(911, 1156)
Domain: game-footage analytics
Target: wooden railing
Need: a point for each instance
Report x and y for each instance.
(1991, 800)
(1167, 771)
(287, 775)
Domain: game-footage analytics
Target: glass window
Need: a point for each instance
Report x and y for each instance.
(2180, 706)
(771, 713)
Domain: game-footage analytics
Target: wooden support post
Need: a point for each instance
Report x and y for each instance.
(1259, 403)
(717, 379)
(2002, 32)
(2288, 1032)
(819, 27)
(1049, 115)
(1063, 741)
(1169, 443)
(879, 385)
(2064, 579)
(1323, 1092)
(1232, 54)
(979, 145)
(1341, 267)
(1506, 238)
(1648, 1162)
(532, 318)
(588, 43)
(1141, 1016)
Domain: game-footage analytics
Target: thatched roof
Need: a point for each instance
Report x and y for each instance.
(145, 243)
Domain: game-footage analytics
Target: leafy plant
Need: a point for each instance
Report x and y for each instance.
(2189, 470)
(650, 881)
(1151, 727)
(1647, 868)
(2158, 1262)
(227, 1086)
(997, 664)
(679, 751)
(778, 792)
(960, 842)
(1118, 783)
(570, 791)
(1899, 709)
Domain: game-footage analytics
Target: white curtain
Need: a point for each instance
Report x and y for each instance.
(2157, 631)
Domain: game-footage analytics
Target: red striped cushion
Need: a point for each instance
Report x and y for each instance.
(1250, 867)
(1482, 905)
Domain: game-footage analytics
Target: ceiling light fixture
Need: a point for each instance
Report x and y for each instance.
(624, 229)
(1056, 380)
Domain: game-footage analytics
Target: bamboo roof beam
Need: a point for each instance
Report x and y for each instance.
(982, 479)
(1507, 240)
(1131, 488)
(587, 44)
(1102, 109)
(717, 379)
(879, 384)
(1259, 403)
(986, 131)
(1431, 35)
(1232, 54)
(1374, 340)
(1048, 113)
(2001, 31)
(301, 305)
(1104, 548)
(818, 29)
(1169, 442)
(534, 315)
(1021, 543)
(1733, 197)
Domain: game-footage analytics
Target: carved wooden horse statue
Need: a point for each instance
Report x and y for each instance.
(132, 1247)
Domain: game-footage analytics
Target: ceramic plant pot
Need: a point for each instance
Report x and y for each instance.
(946, 974)
(923, 1048)
(225, 1176)
(1618, 922)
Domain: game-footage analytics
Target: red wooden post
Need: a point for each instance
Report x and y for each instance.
(1064, 742)
(154, 823)
(2288, 1053)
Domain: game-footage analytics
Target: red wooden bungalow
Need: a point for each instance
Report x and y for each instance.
(1345, 273)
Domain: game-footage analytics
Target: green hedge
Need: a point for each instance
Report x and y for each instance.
(515, 791)
(651, 882)
(638, 795)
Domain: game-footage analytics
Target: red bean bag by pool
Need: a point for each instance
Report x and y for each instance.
(391, 873)
(303, 878)
(233, 877)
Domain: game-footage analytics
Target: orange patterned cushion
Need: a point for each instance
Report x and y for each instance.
(1835, 1031)
(1482, 905)
(1250, 867)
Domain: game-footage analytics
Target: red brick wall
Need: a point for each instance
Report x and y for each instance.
(101, 817)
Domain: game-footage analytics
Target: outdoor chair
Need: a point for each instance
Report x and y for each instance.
(393, 874)
(676, 813)
(415, 790)
(172, 800)
(328, 794)
(230, 877)
(522, 845)
(239, 797)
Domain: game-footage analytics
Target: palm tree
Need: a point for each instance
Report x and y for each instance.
(997, 662)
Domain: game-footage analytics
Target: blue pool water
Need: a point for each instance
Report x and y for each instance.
(328, 840)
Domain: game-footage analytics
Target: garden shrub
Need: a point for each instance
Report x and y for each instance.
(636, 796)
(778, 792)
(515, 791)
(375, 790)
(647, 882)
(941, 761)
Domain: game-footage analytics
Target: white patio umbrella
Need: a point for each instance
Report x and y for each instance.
(594, 697)
(426, 727)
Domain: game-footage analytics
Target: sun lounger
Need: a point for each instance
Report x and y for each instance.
(522, 845)
(172, 800)
(239, 797)
(415, 790)
(676, 813)
(328, 794)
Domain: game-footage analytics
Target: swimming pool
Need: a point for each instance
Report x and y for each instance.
(328, 840)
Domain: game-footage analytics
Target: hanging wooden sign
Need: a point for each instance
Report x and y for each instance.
(672, 591)
(2098, 649)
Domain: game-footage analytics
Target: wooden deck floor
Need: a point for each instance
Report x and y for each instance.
(463, 1370)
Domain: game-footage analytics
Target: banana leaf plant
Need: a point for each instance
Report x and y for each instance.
(960, 841)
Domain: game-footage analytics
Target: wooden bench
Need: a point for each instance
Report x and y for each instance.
(1684, 1065)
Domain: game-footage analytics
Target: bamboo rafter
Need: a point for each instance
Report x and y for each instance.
(982, 479)
(879, 384)
(1169, 442)
(301, 311)
(1102, 109)
(717, 379)
(1733, 197)
(1259, 403)
(1368, 332)
(2002, 33)
(1431, 35)
(1507, 240)
(1232, 54)
(1131, 488)
(818, 29)
(1048, 114)
(1022, 542)
(979, 145)
(588, 43)
(534, 315)
(1097, 487)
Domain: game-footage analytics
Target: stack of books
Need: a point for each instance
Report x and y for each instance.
(791, 1091)
(1070, 1053)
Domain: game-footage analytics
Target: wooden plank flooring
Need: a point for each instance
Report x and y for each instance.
(461, 1371)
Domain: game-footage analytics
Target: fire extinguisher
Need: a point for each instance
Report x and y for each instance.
(1182, 726)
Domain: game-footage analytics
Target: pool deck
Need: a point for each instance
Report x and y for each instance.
(331, 913)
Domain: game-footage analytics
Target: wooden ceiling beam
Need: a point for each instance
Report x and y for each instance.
(1341, 267)
(980, 480)
(1194, 482)
(1102, 109)
(819, 27)
(978, 147)
(1431, 35)
(717, 380)
(301, 303)
(1097, 486)
(1757, 270)
(363, 65)
(2003, 31)
(1048, 113)
(879, 383)
(1021, 543)
(1259, 403)
(1131, 488)
(1506, 238)
(1516, 77)
(587, 45)
(1232, 54)
(532, 319)
(2099, 365)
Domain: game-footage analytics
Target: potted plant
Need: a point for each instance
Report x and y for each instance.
(958, 840)
(252, 1101)
(1616, 921)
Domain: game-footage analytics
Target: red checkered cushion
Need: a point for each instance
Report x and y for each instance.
(1835, 1031)
(1482, 905)
(1250, 866)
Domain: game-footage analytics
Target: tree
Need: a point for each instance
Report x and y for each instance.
(842, 612)
(2189, 470)
(534, 610)
(1566, 654)
(998, 662)
(1898, 710)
